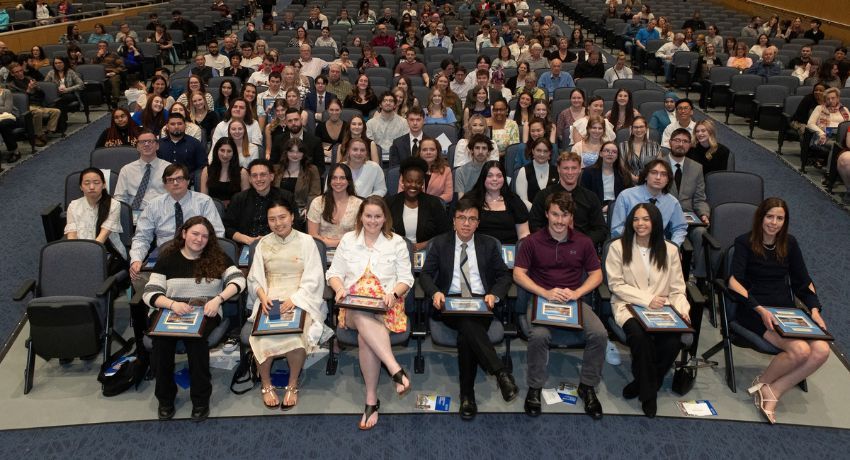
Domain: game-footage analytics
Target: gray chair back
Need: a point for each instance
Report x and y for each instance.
(59, 273)
(392, 181)
(733, 187)
(113, 158)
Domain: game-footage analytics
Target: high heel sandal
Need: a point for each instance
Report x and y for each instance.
(289, 391)
(759, 399)
(266, 390)
(398, 378)
(367, 413)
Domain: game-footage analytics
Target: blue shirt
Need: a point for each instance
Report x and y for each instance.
(675, 226)
(550, 83)
(447, 119)
(645, 35)
(188, 151)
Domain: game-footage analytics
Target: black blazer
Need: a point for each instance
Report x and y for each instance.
(311, 100)
(400, 150)
(431, 213)
(436, 275)
(242, 74)
(591, 179)
(312, 145)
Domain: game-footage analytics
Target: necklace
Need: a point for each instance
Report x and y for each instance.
(498, 198)
(769, 247)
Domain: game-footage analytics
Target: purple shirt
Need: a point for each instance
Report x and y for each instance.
(563, 264)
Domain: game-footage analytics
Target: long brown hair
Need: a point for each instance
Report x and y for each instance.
(212, 262)
(757, 234)
(440, 163)
(329, 204)
(112, 133)
(376, 200)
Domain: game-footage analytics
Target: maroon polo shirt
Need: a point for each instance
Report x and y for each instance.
(562, 264)
(407, 69)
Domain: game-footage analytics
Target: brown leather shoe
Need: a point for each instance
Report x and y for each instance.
(40, 141)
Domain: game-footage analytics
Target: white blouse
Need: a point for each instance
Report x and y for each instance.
(369, 180)
(389, 260)
(82, 219)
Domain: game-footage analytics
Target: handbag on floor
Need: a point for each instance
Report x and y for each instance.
(245, 372)
(683, 379)
(120, 372)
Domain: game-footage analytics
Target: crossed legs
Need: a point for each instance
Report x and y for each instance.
(798, 360)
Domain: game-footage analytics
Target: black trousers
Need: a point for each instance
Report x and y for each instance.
(473, 349)
(64, 103)
(652, 356)
(7, 128)
(199, 367)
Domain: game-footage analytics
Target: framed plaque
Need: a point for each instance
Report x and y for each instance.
(559, 314)
(795, 323)
(290, 322)
(244, 257)
(664, 319)
(693, 219)
(170, 324)
(508, 254)
(150, 262)
(418, 261)
(359, 302)
(329, 255)
(466, 306)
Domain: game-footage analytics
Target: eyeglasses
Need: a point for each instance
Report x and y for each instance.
(684, 108)
(174, 180)
(146, 141)
(467, 219)
(259, 175)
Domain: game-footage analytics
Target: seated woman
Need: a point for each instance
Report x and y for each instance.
(224, 178)
(589, 146)
(131, 55)
(823, 121)
(122, 132)
(463, 154)
(191, 129)
(540, 110)
(576, 111)
(164, 43)
(226, 95)
(287, 267)
(249, 93)
(503, 214)
(522, 114)
(644, 269)
(297, 174)
(362, 97)
(239, 111)
(608, 176)
(331, 130)
(536, 130)
(196, 83)
(368, 175)
(765, 259)
(706, 151)
(201, 115)
(478, 103)
(639, 149)
(159, 87)
(97, 216)
(438, 178)
(739, 59)
(405, 100)
(191, 273)
(373, 261)
(538, 174)
(503, 131)
(246, 152)
(357, 130)
(623, 113)
(450, 99)
(275, 129)
(333, 213)
(416, 215)
(578, 130)
(437, 112)
(294, 100)
(70, 85)
(153, 116)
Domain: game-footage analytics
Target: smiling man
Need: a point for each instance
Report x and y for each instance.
(245, 219)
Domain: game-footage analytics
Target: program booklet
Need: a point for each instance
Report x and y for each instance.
(432, 402)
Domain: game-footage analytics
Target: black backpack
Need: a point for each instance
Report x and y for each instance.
(245, 372)
(130, 373)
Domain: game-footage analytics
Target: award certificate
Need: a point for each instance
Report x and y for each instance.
(244, 257)
(550, 313)
(169, 323)
(329, 255)
(290, 322)
(466, 306)
(508, 254)
(418, 261)
(797, 324)
(357, 302)
(693, 219)
(664, 319)
(150, 262)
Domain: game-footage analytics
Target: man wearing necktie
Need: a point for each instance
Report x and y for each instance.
(317, 101)
(461, 263)
(138, 181)
(440, 40)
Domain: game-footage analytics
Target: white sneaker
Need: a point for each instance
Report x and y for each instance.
(612, 354)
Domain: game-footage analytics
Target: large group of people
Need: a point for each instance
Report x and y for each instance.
(525, 176)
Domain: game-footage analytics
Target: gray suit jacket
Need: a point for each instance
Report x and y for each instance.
(692, 195)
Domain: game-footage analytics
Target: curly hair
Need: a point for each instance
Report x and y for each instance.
(212, 261)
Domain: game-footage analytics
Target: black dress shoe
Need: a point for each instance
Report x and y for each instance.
(507, 385)
(592, 406)
(199, 414)
(166, 412)
(650, 407)
(468, 408)
(631, 390)
(532, 402)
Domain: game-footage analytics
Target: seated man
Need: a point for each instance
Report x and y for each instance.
(45, 120)
(555, 78)
(666, 52)
(593, 67)
(653, 187)
(137, 182)
(551, 263)
(450, 271)
(177, 147)
(245, 218)
(387, 126)
(214, 58)
(684, 119)
(467, 175)
(114, 67)
(202, 70)
(310, 66)
(768, 66)
(317, 100)
(411, 67)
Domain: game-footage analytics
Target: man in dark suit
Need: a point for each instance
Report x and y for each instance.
(312, 144)
(407, 145)
(465, 264)
(311, 101)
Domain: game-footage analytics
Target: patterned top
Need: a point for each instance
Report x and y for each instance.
(327, 229)
(506, 136)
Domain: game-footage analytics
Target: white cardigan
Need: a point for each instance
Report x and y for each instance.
(389, 260)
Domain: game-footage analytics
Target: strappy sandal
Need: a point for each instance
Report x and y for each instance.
(289, 391)
(759, 399)
(367, 412)
(269, 390)
(398, 378)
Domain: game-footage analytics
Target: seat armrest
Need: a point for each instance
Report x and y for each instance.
(137, 298)
(687, 246)
(695, 295)
(721, 284)
(328, 293)
(27, 287)
(108, 283)
(708, 239)
(604, 292)
(418, 292)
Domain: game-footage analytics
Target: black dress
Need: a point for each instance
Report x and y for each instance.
(222, 191)
(324, 136)
(764, 278)
(365, 108)
(718, 162)
(502, 224)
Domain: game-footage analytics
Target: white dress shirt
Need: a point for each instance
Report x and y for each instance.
(476, 286)
(130, 178)
(82, 219)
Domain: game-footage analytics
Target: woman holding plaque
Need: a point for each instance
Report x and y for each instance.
(372, 261)
(286, 268)
(643, 269)
(191, 272)
(765, 258)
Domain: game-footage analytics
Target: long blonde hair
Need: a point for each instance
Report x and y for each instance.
(712, 137)
(246, 144)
